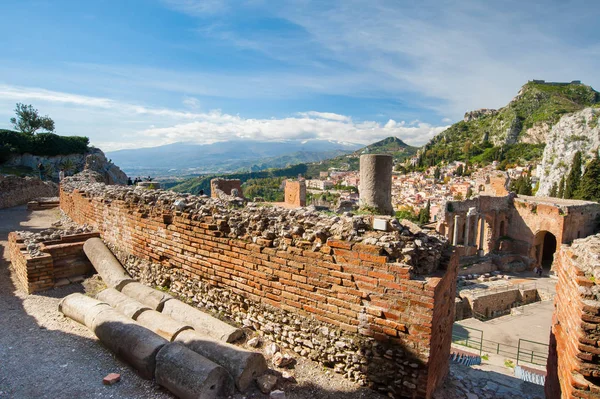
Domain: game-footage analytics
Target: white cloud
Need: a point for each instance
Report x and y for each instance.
(113, 125)
(444, 56)
(198, 7)
(191, 102)
(326, 115)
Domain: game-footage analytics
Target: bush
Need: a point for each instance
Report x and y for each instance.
(42, 144)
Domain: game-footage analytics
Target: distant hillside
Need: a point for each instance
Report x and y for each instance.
(391, 145)
(194, 185)
(226, 157)
(515, 132)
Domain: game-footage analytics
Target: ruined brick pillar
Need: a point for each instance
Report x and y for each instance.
(295, 192)
(376, 182)
(573, 369)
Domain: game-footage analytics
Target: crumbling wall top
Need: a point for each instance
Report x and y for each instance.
(277, 227)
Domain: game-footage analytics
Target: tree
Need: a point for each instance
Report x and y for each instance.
(554, 190)
(459, 170)
(574, 177)
(469, 193)
(561, 187)
(425, 213)
(28, 120)
(436, 173)
(589, 186)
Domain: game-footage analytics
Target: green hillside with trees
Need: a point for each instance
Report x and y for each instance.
(391, 145)
(510, 134)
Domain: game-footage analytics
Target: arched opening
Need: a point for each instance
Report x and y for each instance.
(544, 249)
(549, 248)
(502, 233)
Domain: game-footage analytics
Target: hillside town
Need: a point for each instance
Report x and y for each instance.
(411, 192)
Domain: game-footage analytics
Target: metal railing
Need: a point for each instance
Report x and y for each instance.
(525, 351)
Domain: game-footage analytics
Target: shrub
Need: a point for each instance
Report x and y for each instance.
(43, 144)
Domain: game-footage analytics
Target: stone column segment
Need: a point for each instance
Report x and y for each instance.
(455, 234)
(108, 267)
(376, 182)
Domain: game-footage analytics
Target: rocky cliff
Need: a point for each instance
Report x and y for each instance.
(579, 131)
(20, 190)
(487, 135)
(94, 159)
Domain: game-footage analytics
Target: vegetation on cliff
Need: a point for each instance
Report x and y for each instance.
(42, 144)
(26, 141)
(514, 133)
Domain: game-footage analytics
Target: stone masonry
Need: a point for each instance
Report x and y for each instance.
(574, 360)
(223, 188)
(327, 287)
(20, 190)
(295, 192)
(516, 226)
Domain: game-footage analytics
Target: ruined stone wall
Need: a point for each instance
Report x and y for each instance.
(57, 259)
(295, 193)
(574, 359)
(342, 303)
(20, 190)
(224, 187)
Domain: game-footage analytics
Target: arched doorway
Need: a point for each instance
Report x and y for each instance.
(544, 249)
(548, 250)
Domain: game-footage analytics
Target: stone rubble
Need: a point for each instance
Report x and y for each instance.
(351, 356)
(62, 228)
(274, 226)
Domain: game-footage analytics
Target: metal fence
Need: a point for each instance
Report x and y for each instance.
(525, 351)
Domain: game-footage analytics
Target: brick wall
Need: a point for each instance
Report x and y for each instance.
(60, 259)
(574, 360)
(346, 286)
(295, 192)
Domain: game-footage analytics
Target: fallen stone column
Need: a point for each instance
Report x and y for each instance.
(204, 323)
(130, 341)
(189, 375)
(155, 299)
(81, 308)
(157, 322)
(105, 263)
(162, 324)
(244, 366)
(124, 304)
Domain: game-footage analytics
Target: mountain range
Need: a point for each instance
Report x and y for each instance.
(227, 156)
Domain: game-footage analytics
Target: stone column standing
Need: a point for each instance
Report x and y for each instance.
(455, 236)
(481, 228)
(470, 213)
(376, 182)
(467, 223)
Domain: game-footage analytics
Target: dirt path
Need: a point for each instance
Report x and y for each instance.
(43, 354)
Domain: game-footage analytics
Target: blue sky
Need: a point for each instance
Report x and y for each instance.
(134, 73)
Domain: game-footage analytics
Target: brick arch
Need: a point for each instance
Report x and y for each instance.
(545, 244)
